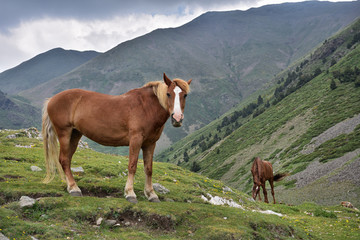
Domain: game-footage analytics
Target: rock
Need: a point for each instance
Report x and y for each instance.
(33, 238)
(160, 188)
(26, 201)
(2, 237)
(83, 145)
(35, 169)
(227, 189)
(347, 204)
(99, 221)
(110, 222)
(12, 136)
(77, 170)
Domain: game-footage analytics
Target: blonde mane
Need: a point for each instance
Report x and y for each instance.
(160, 89)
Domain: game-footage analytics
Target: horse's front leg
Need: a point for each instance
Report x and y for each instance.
(134, 149)
(149, 192)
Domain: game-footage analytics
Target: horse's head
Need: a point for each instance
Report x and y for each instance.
(176, 94)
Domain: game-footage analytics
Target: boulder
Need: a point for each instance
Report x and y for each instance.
(35, 169)
(160, 188)
(26, 201)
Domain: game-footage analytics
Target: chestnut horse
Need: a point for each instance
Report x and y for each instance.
(262, 171)
(135, 119)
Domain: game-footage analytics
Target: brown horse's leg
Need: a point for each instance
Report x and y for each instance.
(272, 189)
(134, 149)
(68, 143)
(265, 192)
(148, 152)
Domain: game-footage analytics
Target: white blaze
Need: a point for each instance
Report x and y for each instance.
(177, 108)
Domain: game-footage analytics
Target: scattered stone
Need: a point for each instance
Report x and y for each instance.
(26, 146)
(169, 200)
(3, 237)
(99, 221)
(29, 133)
(160, 188)
(348, 205)
(127, 223)
(35, 169)
(26, 201)
(110, 222)
(269, 212)
(221, 201)
(77, 170)
(227, 189)
(83, 145)
(12, 136)
(33, 238)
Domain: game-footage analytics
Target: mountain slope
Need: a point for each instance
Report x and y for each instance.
(283, 125)
(42, 68)
(15, 113)
(228, 54)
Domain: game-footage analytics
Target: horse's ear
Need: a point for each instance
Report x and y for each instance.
(167, 80)
(188, 82)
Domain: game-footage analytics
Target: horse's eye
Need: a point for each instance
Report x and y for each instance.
(168, 94)
(185, 95)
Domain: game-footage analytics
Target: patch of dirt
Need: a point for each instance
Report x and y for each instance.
(130, 218)
(12, 177)
(14, 159)
(101, 192)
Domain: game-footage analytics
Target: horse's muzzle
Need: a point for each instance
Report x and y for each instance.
(176, 123)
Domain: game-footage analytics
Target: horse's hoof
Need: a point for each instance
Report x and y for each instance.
(132, 199)
(75, 194)
(155, 199)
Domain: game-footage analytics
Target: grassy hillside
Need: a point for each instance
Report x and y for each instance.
(229, 55)
(182, 214)
(281, 126)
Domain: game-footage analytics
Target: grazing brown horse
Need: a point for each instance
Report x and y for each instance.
(135, 119)
(262, 171)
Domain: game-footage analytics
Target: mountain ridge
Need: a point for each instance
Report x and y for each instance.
(42, 68)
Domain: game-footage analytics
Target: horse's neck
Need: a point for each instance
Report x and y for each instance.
(153, 105)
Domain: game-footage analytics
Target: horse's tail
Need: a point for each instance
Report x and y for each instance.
(280, 176)
(50, 140)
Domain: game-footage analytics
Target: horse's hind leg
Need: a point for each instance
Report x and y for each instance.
(272, 190)
(265, 192)
(148, 161)
(69, 140)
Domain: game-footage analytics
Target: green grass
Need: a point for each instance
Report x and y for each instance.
(56, 215)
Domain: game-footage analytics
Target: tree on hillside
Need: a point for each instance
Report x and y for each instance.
(333, 85)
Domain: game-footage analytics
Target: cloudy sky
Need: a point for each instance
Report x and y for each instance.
(30, 27)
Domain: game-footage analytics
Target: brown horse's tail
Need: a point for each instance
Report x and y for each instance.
(50, 140)
(280, 176)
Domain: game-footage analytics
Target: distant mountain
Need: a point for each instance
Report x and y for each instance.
(308, 125)
(42, 68)
(229, 56)
(15, 114)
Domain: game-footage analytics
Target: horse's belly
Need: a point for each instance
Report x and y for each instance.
(113, 141)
